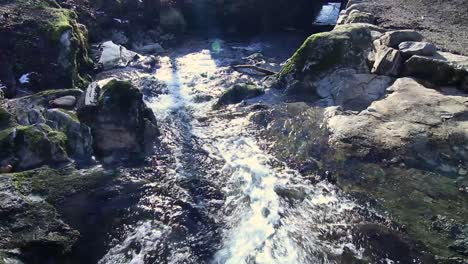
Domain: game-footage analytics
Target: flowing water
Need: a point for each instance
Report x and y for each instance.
(222, 197)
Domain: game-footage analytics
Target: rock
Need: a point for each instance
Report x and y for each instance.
(118, 37)
(154, 48)
(347, 46)
(351, 91)
(79, 137)
(409, 48)
(356, 16)
(48, 41)
(115, 56)
(394, 38)
(422, 131)
(238, 93)
(172, 20)
(291, 192)
(441, 69)
(388, 62)
(7, 77)
(31, 146)
(31, 228)
(6, 169)
(30, 225)
(464, 84)
(90, 97)
(145, 63)
(64, 102)
(389, 126)
(122, 126)
(6, 118)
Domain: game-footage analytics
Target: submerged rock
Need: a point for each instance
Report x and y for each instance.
(238, 93)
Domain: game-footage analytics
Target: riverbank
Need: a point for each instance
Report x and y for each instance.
(444, 23)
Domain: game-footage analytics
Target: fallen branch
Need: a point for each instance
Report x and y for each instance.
(253, 67)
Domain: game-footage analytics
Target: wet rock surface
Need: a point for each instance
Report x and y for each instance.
(360, 156)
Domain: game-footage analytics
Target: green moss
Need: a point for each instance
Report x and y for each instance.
(239, 92)
(412, 197)
(72, 114)
(324, 52)
(119, 94)
(59, 22)
(55, 184)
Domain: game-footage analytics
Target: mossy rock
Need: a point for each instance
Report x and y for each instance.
(56, 184)
(346, 46)
(26, 147)
(47, 40)
(412, 197)
(119, 95)
(238, 93)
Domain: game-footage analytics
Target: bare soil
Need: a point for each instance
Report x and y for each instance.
(443, 22)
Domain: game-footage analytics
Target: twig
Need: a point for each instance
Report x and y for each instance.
(253, 67)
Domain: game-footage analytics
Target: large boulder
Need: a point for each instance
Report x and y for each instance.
(25, 147)
(122, 125)
(43, 39)
(31, 229)
(442, 69)
(350, 90)
(346, 47)
(30, 224)
(406, 154)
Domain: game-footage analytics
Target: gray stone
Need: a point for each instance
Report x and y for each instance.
(352, 91)
(356, 16)
(404, 121)
(394, 38)
(27, 223)
(79, 137)
(417, 48)
(26, 147)
(115, 56)
(122, 125)
(293, 192)
(441, 69)
(64, 102)
(154, 48)
(388, 62)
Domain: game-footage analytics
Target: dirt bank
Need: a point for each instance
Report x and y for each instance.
(443, 22)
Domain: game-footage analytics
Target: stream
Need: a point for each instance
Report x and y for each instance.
(223, 198)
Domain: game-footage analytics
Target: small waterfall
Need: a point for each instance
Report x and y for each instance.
(251, 220)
